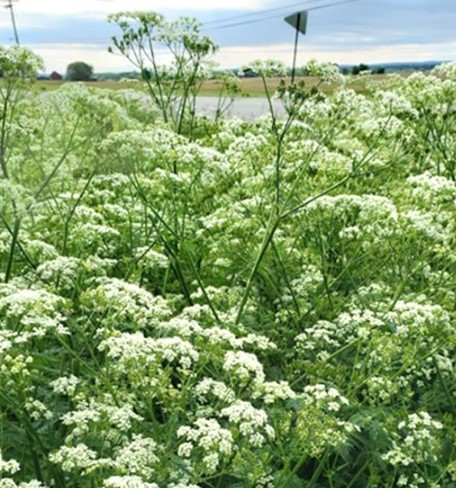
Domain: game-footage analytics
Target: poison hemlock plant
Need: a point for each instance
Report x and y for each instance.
(172, 87)
(18, 69)
(270, 306)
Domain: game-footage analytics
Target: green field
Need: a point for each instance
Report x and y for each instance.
(249, 86)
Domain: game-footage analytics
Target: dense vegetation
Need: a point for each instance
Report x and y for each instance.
(266, 304)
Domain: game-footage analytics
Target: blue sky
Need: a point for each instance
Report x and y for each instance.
(369, 31)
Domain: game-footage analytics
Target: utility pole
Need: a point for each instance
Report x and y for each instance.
(9, 4)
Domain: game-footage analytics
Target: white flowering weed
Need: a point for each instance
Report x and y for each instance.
(256, 304)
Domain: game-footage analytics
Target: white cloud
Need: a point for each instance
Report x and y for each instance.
(237, 56)
(101, 8)
(58, 56)
(5, 22)
(392, 53)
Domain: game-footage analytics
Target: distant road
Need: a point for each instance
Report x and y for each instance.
(244, 108)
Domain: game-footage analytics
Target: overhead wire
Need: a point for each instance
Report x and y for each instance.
(261, 12)
(254, 21)
(302, 3)
(226, 26)
(333, 4)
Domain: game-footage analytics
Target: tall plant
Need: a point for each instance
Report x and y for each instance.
(147, 36)
(18, 69)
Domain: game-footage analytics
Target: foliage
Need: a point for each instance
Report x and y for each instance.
(229, 89)
(356, 70)
(326, 72)
(79, 71)
(19, 63)
(271, 305)
(18, 67)
(172, 87)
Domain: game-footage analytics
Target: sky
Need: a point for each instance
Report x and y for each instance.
(367, 31)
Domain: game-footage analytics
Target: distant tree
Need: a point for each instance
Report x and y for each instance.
(299, 71)
(79, 71)
(380, 71)
(356, 70)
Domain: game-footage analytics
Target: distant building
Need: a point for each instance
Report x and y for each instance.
(56, 76)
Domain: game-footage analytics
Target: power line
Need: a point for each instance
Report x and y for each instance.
(261, 12)
(318, 7)
(9, 4)
(254, 21)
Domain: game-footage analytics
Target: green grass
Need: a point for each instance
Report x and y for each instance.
(250, 87)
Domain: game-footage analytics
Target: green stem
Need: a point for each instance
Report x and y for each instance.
(35, 459)
(292, 473)
(203, 289)
(444, 385)
(264, 247)
(9, 267)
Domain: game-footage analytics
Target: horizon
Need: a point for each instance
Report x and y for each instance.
(385, 64)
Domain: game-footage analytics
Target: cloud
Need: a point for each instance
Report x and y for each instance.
(58, 56)
(239, 55)
(101, 8)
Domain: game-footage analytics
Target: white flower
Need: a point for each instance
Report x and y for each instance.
(148, 258)
(430, 189)
(126, 302)
(9, 467)
(63, 270)
(256, 341)
(38, 410)
(267, 68)
(326, 71)
(38, 310)
(127, 482)
(91, 413)
(6, 340)
(128, 349)
(137, 457)
(218, 335)
(31, 484)
(218, 389)
(446, 69)
(210, 437)
(182, 485)
(252, 422)
(244, 365)
(328, 399)
(65, 385)
(415, 441)
(71, 458)
(272, 391)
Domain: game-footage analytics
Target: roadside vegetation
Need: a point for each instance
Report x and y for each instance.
(197, 303)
